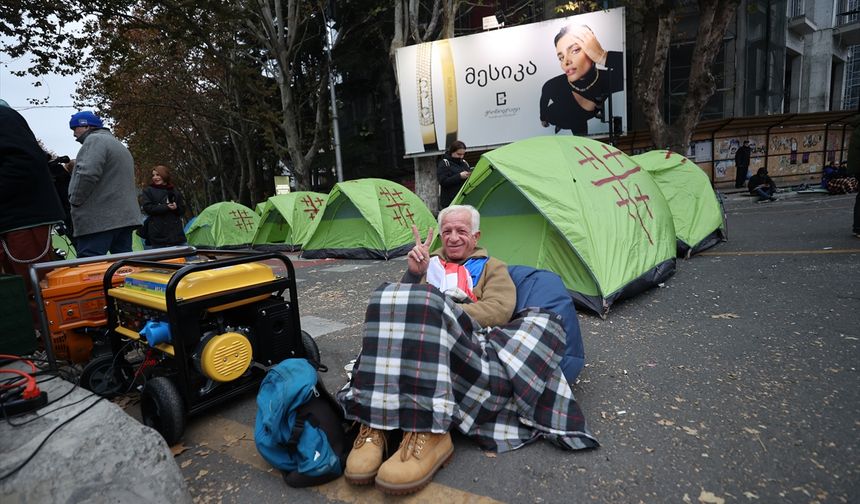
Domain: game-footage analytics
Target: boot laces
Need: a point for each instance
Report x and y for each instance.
(368, 434)
(412, 444)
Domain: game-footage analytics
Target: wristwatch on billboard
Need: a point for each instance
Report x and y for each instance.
(424, 81)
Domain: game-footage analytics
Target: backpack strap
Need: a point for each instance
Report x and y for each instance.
(292, 444)
(299, 428)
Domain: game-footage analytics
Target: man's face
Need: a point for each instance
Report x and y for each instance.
(458, 241)
(79, 130)
(573, 60)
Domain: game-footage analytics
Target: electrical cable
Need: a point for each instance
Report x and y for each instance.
(58, 408)
(42, 443)
(32, 383)
(13, 358)
(27, 381)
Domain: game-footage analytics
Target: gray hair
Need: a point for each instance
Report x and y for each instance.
(473, 212)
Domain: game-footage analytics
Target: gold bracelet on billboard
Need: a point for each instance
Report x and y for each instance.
(449, 81)
(424, 81)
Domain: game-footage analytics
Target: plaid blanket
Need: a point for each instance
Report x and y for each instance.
(427, 366)
(842, 185)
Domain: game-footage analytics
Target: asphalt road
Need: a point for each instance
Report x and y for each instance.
(735, 382)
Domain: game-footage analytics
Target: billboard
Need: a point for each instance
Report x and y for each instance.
(500, 86)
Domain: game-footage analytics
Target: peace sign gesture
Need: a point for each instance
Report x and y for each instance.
(418, 259)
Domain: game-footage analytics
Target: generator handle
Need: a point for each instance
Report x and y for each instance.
(173, 282)
(184, 270)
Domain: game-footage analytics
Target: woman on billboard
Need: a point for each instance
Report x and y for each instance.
(569, 100)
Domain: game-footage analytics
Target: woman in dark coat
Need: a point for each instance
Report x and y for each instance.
(451, 172)
(569, 100)
(164, 207)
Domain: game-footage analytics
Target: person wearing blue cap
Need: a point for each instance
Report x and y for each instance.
(102, 193)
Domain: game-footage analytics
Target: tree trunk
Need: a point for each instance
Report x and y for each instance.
(657, 21)
(407, 28)
(426, 185)
(650, 71)
(278, 27)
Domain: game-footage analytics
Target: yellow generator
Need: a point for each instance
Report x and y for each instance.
(208, 331)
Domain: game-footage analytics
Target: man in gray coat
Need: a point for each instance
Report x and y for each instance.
(102, 191)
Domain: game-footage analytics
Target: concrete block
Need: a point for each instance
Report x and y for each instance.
(101, 456)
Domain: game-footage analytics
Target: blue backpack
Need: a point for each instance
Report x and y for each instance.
(299, 427)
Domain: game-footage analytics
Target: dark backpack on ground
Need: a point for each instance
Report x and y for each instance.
(299, 427)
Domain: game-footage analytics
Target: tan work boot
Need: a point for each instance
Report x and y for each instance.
(420, 455)
(365, 457)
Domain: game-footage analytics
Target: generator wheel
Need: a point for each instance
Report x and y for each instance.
(312, 352)
(162, 409)
(107, 376)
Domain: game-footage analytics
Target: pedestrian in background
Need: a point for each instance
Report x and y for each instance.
(29, 205)
(451, 172)
(742, 164)
(762, 185)
(102, 193)
(164, 207)
(61, 173)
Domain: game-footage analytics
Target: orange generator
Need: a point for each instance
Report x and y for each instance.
(74, 303)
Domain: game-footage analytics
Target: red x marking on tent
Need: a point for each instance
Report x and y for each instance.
(625, 198)
(242, 220)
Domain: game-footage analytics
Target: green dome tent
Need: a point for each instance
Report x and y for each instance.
(368, 219)
(288, 220)
(579, 208)
(223, 225)
(64, 245)
(67, 250)
(260, 207)
(137, 242)
(695, 207)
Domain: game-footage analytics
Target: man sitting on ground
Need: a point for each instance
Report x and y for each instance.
(439, 352)
(762, 185)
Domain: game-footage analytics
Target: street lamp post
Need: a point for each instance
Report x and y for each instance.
(334, 122)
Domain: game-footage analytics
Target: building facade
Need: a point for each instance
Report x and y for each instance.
(789, 56)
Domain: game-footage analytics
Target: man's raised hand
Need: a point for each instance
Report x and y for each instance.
(418, 259)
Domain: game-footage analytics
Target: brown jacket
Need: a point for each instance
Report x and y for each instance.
(496, 293)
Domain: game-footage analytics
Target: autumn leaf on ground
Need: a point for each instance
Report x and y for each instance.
(231, 440)
(710, 498)
(178, 448)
